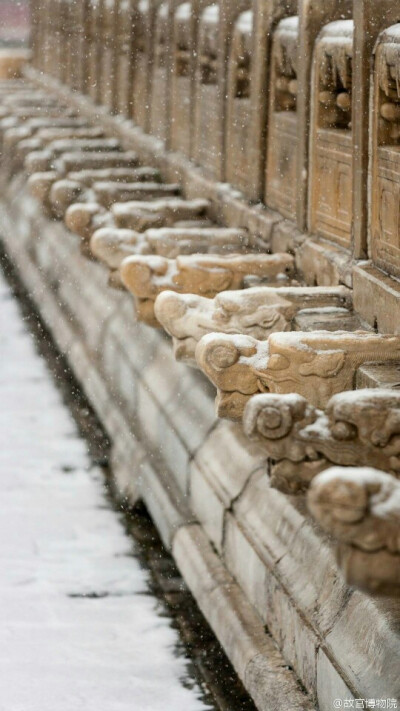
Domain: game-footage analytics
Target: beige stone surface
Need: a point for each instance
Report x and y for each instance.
(147, 276)
(315, 365)
(258, 312)
(355, 429)
(331, 179)
(12, 62)
(212, 487)
(284, 565)
(258, 662)
(358, 506)
(297, 548)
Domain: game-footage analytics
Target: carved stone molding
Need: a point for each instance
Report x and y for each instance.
(111, 246)
(88, 177)
(110, 192)
(256, 312)
(148, 276)
(360, 507)
(316, 365)
(360, 428)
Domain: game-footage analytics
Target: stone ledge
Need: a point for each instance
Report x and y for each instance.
(12, 62)
(240, 631)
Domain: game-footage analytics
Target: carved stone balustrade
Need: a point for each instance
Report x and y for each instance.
(315, 365)
(147, 276)
(360, 507)
(360, 428)
(331, 183)
(169, 212)
(183, 72)
(257, 312)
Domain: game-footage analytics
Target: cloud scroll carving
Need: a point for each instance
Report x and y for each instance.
(315, 365)
(358, 428)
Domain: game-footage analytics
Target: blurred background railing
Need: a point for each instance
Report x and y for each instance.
(14, 23)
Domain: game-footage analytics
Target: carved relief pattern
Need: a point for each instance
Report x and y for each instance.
(282, 135)
(331, 185)
(359, 428)
(316, 365)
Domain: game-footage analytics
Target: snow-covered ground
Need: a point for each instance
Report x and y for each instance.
(62, 648)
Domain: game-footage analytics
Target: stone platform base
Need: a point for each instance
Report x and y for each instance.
(263, 575)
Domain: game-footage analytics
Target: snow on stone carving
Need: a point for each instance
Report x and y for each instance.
(257, 312)
(85, 218)
(207, 275)
(360, 428)
(111, 246)
(316, 365)
(359, 506)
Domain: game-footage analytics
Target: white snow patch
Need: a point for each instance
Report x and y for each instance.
(59, 542)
